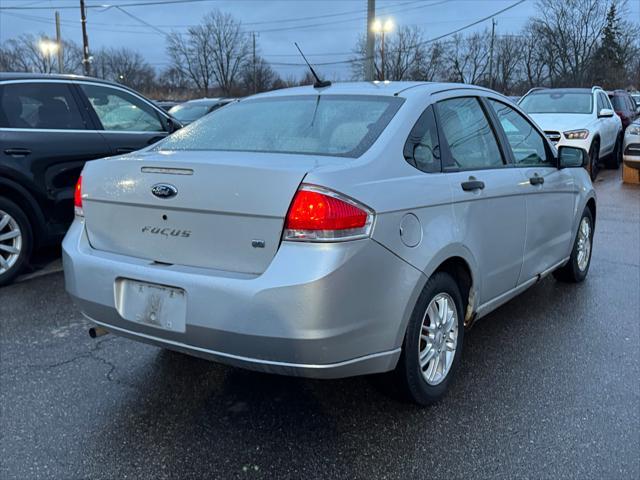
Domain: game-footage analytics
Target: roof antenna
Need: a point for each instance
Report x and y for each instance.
(319, 83)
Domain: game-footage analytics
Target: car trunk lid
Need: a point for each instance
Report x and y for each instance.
(220, 210)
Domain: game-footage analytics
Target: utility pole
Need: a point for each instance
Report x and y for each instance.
(493, 36)
(369, 69)
(59, 42)
(85, 40)
(255, 79)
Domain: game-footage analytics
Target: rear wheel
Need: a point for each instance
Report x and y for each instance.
(16, 240)
(615, 159)
(577, 267)
(594, 158)
(433, 341)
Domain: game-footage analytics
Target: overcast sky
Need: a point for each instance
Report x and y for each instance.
(327, 30)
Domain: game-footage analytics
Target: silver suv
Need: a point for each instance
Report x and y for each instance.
(330, 232)
(578, 117)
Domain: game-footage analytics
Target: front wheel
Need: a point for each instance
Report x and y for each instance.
(433, 341)
(577, 267)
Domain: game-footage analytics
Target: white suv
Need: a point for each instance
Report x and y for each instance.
(578, 117)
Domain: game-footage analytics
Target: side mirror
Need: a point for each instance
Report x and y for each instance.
(571, 157)
(605, 112)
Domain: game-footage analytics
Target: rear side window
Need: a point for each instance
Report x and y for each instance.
(468, 134)
(335, 125)
(422, 149)
(121, 111)
(39, 106)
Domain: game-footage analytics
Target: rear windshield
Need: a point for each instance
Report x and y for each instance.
(557, 102)
(335, 125)
(189, 113)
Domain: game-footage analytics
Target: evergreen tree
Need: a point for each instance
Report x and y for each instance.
(609, 60)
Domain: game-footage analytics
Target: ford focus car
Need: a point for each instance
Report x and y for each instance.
(330, 232)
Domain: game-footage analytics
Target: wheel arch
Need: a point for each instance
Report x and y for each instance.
(20, 196)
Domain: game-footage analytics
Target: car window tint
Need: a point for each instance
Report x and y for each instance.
(527, 144)
(121, 111)
(467, 131)
(422, 149)
(601, 102)
(39, 106)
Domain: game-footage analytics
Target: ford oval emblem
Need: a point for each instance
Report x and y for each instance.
(164, 190)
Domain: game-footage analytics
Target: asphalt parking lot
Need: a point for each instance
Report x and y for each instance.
(549, 388)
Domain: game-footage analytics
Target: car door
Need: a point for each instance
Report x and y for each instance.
(610, 126)
(128, 122)
(488, 205)
(45, 139)
(550, 193)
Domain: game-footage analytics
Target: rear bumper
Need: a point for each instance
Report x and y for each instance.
(631, 155)
(325, 311)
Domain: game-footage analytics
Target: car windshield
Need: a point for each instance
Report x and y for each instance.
(557, 102)
(189, 112)
(336, 125)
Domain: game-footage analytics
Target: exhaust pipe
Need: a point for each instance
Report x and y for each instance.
(95, 332)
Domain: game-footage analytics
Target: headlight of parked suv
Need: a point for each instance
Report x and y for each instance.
(576, 134)
(633, 130)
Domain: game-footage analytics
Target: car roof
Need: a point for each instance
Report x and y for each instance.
(53, 76)
(208, 101)
(387, 88)
(562, 90)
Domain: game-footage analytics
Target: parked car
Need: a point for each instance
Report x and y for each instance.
(636, 98)
(631, 146)
(50, 125)
(330, 232)
(194, 109)
(578, 117)
(166, 105)
(624, 106)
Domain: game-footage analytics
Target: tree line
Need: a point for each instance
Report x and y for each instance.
(568, 43)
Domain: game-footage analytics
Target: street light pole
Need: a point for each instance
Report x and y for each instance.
(382, 28)
(382, 55)
(369, 62)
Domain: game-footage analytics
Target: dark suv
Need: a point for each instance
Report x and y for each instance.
(50, 125)
(624, 106)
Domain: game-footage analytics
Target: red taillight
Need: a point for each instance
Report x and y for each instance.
(77, 198)
(317, 214)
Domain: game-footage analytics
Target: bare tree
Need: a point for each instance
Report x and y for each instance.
(210, 53)
(433, 65)
(469, 57)
(534, 68)
(508, 56)
(24, 54)
(569, 31)
(125, 66)
(264, 78)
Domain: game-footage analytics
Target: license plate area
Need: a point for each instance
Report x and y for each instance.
(150, 304)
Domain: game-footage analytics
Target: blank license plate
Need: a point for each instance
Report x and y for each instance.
(153, 305)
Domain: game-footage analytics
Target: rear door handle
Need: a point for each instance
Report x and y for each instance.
(536, 180)
(471, 185)
(18, 152)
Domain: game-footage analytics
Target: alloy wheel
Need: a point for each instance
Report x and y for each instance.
(584, 244)
(10, 241)
(438, 339)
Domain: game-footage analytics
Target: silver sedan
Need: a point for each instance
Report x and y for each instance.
(330, 232)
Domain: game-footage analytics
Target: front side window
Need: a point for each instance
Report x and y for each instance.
(527, 144)
(44, 105)
(601, 102)
(121, 111)
(468, 134)
(335, 125)
(422, 149)
(557, 102)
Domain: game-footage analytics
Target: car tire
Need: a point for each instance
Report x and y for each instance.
(594, 158)
(577, 267)
(429, 334)
(15, 249)
(615, 159)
